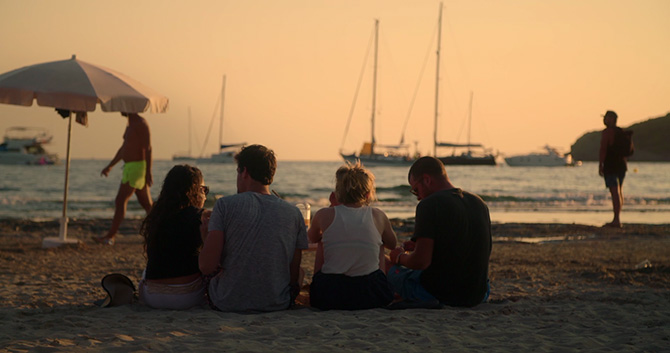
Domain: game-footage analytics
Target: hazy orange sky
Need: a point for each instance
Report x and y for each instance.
(542, 72)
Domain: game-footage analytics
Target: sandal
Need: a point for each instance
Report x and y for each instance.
(103, 240)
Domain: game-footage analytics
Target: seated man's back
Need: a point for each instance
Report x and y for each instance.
(460, 225)
(261, 234)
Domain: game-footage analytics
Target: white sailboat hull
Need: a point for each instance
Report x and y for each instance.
(535, 161)
(219, 158)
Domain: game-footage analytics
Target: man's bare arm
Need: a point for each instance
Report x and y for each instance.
(117, 157)
(419, 259)
(210, 255)
(295, 274)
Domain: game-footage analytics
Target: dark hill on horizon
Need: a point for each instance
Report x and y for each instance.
(651, 139)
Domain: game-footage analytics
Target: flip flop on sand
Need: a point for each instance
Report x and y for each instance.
(103, 240)
(120, 290)
(612, 225)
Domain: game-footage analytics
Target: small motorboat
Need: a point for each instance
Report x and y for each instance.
(549, 158)
(23, 145)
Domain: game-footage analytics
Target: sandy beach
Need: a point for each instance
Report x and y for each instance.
(583, 288)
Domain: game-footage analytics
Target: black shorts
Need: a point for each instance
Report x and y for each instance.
(614, 179)
(342, 292)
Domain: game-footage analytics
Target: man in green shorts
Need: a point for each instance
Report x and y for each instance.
(137, 179)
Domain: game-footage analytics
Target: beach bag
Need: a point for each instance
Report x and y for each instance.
(623, 143)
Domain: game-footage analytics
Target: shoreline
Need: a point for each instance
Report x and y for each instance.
(602, 290)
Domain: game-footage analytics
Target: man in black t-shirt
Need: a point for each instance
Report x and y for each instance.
(448, 256)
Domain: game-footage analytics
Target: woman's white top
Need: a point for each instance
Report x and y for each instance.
(352, 243)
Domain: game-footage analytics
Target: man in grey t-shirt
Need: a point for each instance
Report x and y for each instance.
(255, 239)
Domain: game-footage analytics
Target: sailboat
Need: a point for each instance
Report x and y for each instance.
(480, 156)
(186, 156)
(226, 152)
(373, 154)
(475, 153)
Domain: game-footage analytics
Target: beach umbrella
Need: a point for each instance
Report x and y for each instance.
(75, 87)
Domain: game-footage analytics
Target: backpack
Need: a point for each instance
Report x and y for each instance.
(623, 143)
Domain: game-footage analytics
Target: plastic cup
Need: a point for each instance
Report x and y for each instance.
(306, 211)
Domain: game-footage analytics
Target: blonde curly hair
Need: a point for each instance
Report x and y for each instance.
(354, 184)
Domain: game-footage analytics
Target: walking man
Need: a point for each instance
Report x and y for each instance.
(137, 178)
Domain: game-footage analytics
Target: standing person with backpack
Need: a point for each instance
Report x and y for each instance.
(615, 147)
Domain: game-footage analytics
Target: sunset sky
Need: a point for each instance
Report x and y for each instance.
(542, 72)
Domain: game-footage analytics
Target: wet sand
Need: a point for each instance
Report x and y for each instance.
(554, 287)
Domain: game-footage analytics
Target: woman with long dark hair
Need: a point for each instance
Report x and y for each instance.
(172, 234)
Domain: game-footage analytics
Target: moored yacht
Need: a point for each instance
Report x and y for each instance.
(23, 145)
(550, 158)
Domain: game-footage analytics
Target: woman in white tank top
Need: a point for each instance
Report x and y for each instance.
(351, 236)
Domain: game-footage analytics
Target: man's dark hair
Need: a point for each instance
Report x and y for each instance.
(611, 114)
(259, 161)
(427, 165)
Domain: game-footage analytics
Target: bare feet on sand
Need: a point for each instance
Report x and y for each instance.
(612, 225)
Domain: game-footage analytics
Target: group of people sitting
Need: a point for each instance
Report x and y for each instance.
(245, 254)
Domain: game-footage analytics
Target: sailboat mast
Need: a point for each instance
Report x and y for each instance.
(374, 90)
(223, 96)
(189, 131)
(470, 121)
(437, 80)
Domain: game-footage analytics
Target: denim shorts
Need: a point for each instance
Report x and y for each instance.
(614, 179)
(407, 283)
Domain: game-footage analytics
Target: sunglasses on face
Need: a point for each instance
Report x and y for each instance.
(205, 189)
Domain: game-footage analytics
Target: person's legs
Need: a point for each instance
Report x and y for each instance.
(144, 198)
(407, 283)
(173, 296)
(616, 205)
(615, 184)
(120, 205)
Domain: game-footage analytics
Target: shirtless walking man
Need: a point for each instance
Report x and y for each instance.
(137, 178)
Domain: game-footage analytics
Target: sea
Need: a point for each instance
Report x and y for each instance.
(513, 194)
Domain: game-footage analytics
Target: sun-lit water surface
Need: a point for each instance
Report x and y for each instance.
(543, 195)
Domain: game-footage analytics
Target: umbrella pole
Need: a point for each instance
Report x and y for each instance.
(63, 221)
(50, 242)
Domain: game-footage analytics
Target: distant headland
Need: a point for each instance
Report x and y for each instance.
(651, 138)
